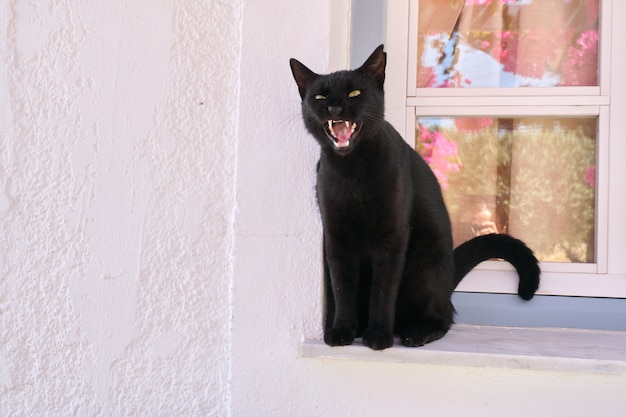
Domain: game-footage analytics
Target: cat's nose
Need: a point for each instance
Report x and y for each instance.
(335, 110)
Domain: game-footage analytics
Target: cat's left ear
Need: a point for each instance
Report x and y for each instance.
(374, 66)
(303, 76)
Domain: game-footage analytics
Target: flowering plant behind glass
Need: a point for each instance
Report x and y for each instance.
(441, 154)
(509, 43)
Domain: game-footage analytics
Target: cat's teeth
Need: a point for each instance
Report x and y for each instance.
(332, 123)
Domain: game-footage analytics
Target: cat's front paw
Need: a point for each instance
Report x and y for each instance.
(338, 336)
(417, 336)
(378, 339)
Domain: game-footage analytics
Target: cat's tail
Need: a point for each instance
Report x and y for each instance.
(514, 251)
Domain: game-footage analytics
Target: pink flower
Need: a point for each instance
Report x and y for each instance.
(441, 154)
(590, 176)
(580, 68)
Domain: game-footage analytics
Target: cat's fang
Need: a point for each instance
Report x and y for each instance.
(341, 132)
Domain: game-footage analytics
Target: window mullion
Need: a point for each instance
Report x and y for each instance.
(494, 110)
(569, 101)
(532, 93)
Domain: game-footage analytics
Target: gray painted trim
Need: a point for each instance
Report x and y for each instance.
(367, 29)
(541, 311)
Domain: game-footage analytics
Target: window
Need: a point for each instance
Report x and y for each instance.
(531, 177)
(516, 106)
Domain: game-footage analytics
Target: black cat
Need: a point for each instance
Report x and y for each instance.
(388, 258)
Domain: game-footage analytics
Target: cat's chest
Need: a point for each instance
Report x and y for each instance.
(358, 197)
(345, 193)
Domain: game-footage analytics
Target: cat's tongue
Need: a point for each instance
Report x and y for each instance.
(342, 131)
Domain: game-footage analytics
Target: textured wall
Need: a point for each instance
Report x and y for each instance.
(117, 162)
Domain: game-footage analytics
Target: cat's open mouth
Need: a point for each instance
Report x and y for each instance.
(342, 133)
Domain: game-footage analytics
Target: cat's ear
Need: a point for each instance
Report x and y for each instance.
(303, 76)
(374, 66)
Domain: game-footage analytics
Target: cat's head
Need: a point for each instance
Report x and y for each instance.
(344, 107)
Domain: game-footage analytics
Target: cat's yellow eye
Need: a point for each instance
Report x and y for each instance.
(320, 97)
(354, 93)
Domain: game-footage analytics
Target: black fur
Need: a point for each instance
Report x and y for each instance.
(388, 259)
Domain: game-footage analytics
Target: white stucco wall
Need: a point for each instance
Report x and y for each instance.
(117, 182)
(159, 241)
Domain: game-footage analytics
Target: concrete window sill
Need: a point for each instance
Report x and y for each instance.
(557, 350)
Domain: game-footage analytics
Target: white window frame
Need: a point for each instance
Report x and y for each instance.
(607, 276)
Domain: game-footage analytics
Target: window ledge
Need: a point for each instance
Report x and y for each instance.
(558, 350)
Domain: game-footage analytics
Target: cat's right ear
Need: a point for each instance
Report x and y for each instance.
(303, 76)
(375, 65)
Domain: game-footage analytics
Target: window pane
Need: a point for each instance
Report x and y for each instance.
(507, 43)
(533, 178)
